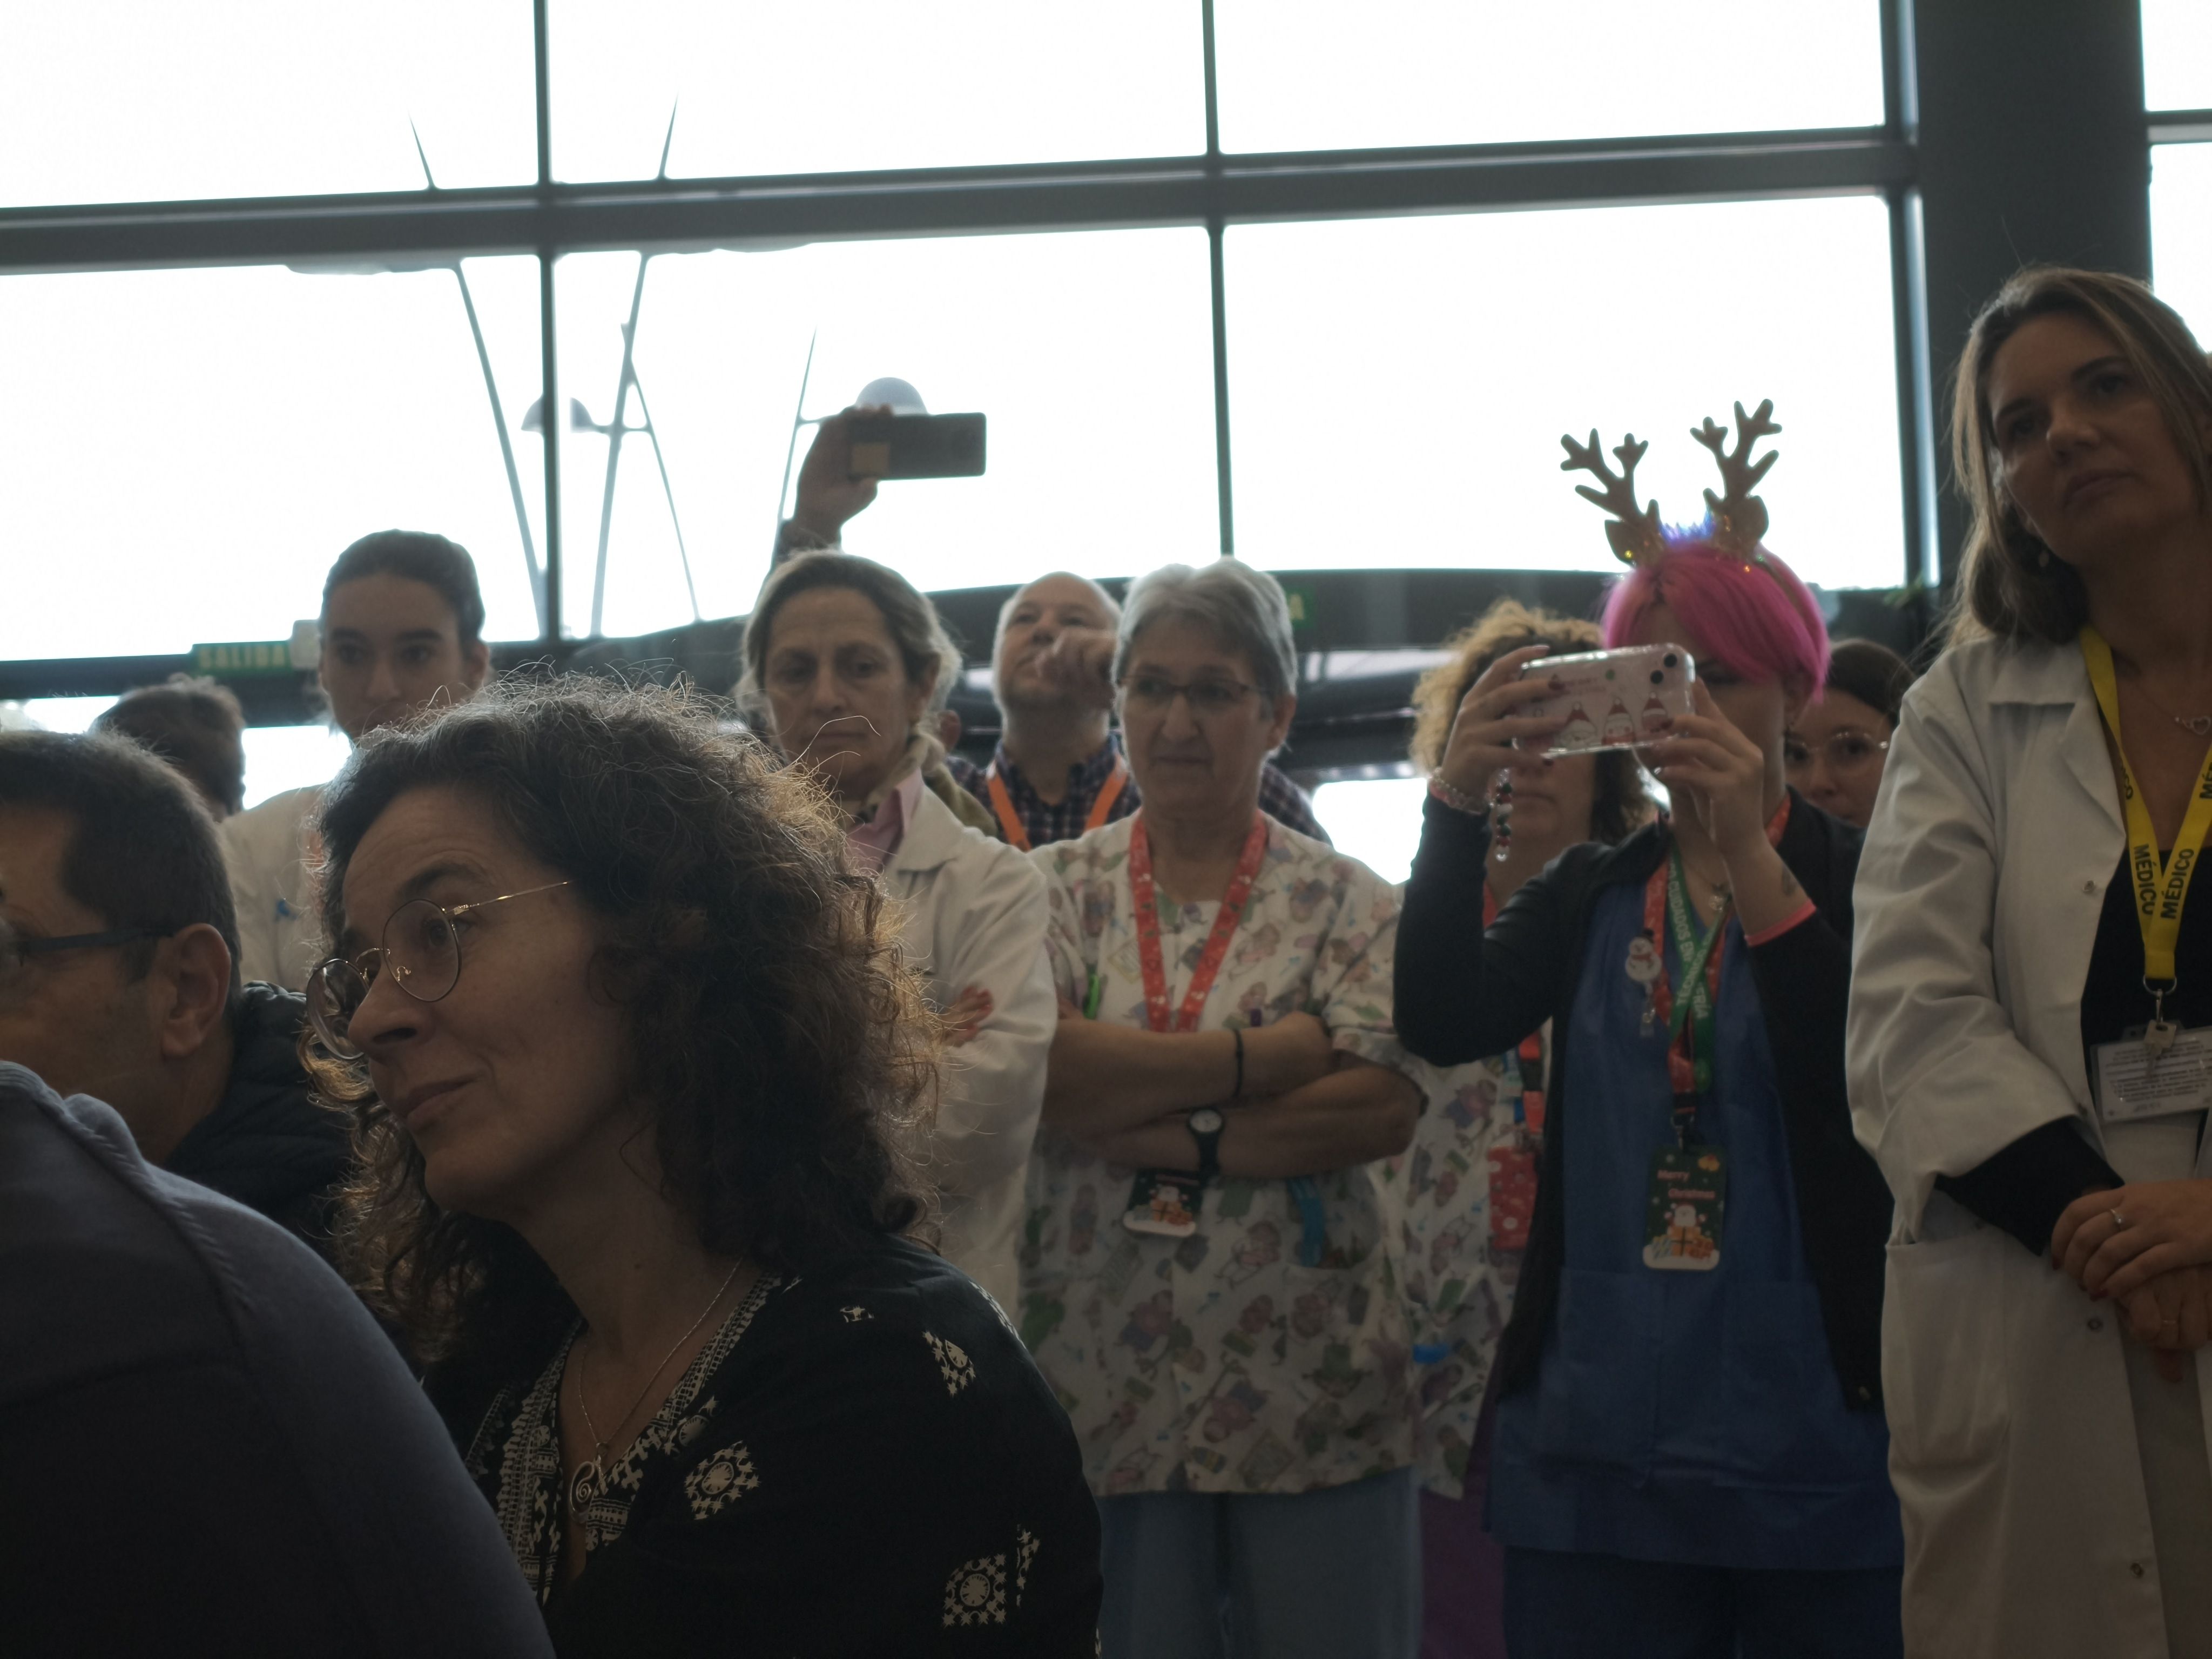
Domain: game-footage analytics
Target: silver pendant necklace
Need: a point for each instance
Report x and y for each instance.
(589, 1479)
(2200, 724)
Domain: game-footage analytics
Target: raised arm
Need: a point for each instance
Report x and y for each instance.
(1462, 996)
(1461, 993)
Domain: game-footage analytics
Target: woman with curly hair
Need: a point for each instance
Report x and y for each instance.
(633, 1069)
(1469, 1178)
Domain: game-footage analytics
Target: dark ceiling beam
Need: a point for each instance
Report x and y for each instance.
(388, 229)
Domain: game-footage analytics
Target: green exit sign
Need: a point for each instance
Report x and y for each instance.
(250, 658)
(1301, 601)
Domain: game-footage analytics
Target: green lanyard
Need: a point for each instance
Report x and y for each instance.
(1694, 1008)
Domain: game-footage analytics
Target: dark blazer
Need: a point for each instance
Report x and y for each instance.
(1463, 994)
(206, 1444)
(267, 1144)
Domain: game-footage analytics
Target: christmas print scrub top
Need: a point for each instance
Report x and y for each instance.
(1218, 1361)
(1466, 1193)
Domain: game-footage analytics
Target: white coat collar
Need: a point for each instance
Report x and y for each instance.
(930, 840)
(2039, 674)
(2036, 671)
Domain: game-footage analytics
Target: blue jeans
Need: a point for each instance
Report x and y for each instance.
(1334, 1574)
(1564, 1605)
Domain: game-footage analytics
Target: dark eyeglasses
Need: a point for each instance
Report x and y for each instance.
(15, 948)
(1154, 694)
(420, 948)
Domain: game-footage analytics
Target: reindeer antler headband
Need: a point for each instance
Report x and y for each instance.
(1738, 519)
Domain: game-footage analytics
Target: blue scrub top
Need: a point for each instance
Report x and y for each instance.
(1689, 1417)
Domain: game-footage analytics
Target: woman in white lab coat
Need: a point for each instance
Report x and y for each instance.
(845, 659)
(2048, 1448)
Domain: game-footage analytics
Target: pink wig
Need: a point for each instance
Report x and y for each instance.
(1753, 615)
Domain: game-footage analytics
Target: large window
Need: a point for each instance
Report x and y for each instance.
(2177, 54)
(183, 452)
(1303, 74)
(2177, 89)
(1400, 386)
(1320, 284)
(1088, 351)
(135, 100)
(869, 84)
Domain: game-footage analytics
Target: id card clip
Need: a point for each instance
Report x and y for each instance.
(2164, 1071)
(2159, 1035)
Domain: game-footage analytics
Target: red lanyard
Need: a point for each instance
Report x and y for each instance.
(1531, 1052)
(1682, 1054)
(1018, 834)
(1217, 944)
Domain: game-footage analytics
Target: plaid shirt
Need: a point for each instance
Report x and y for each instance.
(1045, 822)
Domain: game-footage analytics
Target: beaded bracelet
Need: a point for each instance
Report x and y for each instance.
(1457, 799)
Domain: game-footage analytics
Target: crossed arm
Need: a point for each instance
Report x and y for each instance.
(1124, 1094)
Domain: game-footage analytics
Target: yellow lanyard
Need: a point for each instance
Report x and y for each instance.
(2160, 892)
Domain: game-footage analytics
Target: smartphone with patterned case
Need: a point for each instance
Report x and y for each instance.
(1611, 699)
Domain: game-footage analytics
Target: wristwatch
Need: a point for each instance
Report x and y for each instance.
(1205, 1126)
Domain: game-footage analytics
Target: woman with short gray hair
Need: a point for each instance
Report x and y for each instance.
(1240, 606)
(1204, 1281)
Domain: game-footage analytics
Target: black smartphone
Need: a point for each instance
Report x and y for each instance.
(917, 446)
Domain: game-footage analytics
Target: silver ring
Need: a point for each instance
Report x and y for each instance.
(2118, 1220)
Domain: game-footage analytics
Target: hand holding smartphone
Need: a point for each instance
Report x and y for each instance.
(886, 446)
(1609, 699)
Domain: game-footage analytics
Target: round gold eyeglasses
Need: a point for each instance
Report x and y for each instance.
(421, 948)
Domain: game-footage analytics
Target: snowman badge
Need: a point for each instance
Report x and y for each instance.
(1655, 715)
(1619, 725)
(1644, 967)
(1578, 733)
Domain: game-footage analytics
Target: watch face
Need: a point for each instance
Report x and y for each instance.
(1206, 1120)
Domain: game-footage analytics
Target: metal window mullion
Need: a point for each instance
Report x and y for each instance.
(1217, 286)
(550, 407)
(1909, 303)
(1915, 416)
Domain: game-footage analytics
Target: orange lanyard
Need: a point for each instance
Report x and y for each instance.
(1217, 945)
(1018, 834)
(1530, 1054)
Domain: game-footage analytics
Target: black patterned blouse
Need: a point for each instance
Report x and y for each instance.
(863, 1462)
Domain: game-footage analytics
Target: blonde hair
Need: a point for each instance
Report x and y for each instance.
(2010, 585)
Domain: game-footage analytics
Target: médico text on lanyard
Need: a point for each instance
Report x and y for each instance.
(2160, 890)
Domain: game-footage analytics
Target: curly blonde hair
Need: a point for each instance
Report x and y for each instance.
(791, 1058)
(1619, 806)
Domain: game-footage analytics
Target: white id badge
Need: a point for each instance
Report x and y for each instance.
(2131, 1083)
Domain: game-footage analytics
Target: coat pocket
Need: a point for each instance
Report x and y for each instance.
(1944, 1371)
